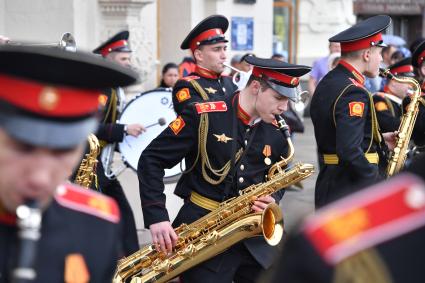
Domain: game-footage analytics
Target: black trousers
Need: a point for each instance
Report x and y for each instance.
(113, 188)
(237, 265)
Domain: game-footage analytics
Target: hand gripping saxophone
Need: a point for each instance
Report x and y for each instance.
(86, 173)
(407, 123)
(212, 234)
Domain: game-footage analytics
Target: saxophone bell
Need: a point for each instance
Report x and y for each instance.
(272, 224)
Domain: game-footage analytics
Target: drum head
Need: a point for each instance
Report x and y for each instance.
(151, 109)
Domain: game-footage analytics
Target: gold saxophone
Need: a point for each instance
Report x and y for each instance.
(86, 173)
(212, 234)
(407, 123)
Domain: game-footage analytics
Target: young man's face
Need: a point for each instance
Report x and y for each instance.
(374, 61)
(398, 89)
(28, 172)
(122, 58)
(270, 103)
(212, 57)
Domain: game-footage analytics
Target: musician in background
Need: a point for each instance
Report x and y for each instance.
(48, 105)
(241, 130)
(110, 133)
(169, 75)
(418, 62)
(388, 103)
(208, 46)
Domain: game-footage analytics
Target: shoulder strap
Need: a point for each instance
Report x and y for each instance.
(199, 89)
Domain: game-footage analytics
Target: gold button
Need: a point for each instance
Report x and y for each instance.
(246, 142)
(241, 180)
(242, 167)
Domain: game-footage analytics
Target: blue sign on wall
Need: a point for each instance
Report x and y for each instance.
(242, 33)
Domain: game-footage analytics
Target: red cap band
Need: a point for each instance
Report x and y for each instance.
(114, 45)
(402, 69)
(203, 36)
(48, 100)
(258, 72)
(421, 58)
(361, 43)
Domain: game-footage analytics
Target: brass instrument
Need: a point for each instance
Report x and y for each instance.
(407, 123)
(212, 234)
(67, 42)
(86, 173)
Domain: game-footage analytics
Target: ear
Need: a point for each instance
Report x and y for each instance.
(366, 54)
(255, 86)
(198, 55)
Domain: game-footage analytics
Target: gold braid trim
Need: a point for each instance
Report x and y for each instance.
(390, 105)
(364, 267)
(202, 146)
(112, 108)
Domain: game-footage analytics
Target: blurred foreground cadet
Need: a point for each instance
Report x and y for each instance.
(52, 231)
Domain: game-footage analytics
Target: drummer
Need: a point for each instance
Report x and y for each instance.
(110, 133)
(208, 45)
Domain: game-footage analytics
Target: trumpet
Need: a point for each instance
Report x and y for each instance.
(66, 42)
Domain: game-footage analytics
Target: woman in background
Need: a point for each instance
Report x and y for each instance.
(170, 75)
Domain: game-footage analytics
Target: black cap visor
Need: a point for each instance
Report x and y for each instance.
(47, 133)
(289, 92)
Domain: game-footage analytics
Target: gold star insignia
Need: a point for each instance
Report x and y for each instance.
(222, 138)
(211, 90)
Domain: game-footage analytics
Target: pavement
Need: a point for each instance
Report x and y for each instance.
(295, 204)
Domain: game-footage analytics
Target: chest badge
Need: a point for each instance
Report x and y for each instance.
(211, 90)
(267, 151)
(222, 138)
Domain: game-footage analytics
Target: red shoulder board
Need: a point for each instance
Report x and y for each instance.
(189, 78)
(218, 106)
(367, 218)
(87, 201)
(356, 83)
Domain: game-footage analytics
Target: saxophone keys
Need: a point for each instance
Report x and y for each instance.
(189, 251)
(211, 238)
(161, 265)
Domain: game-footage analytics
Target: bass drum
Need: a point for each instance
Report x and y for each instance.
(154, 110)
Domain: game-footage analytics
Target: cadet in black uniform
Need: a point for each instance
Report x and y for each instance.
(52, 231)
(208, 45)
(374, 235)
(388, 104)
(240, 127)
(418, 61)
(110, 133)
(343, 114)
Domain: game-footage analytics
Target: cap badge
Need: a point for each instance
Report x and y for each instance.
(48, 98)
(267, 151)
(222, 138)
(211, 90)
(294, 81)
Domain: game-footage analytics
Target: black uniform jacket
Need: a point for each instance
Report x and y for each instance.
(216, 87)
(392, 258)
(78, 222)
(342, 117)
(418, 135)
(109, 131)
(388, 112)
(180, 140)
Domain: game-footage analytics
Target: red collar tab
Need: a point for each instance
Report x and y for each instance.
(205, 35)
(421, 58)
(367, 218)
(6, 217)
(206, 73)
(357, 75)
(111, 47)
(88, 201)
(386, 89)
(361, 43)
(288, 80)
(241, 114)
(402, 69)
(48, 100)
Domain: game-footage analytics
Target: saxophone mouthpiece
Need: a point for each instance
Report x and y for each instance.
(283, 127)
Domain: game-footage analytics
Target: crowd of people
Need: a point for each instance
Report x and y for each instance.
(365, 229)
